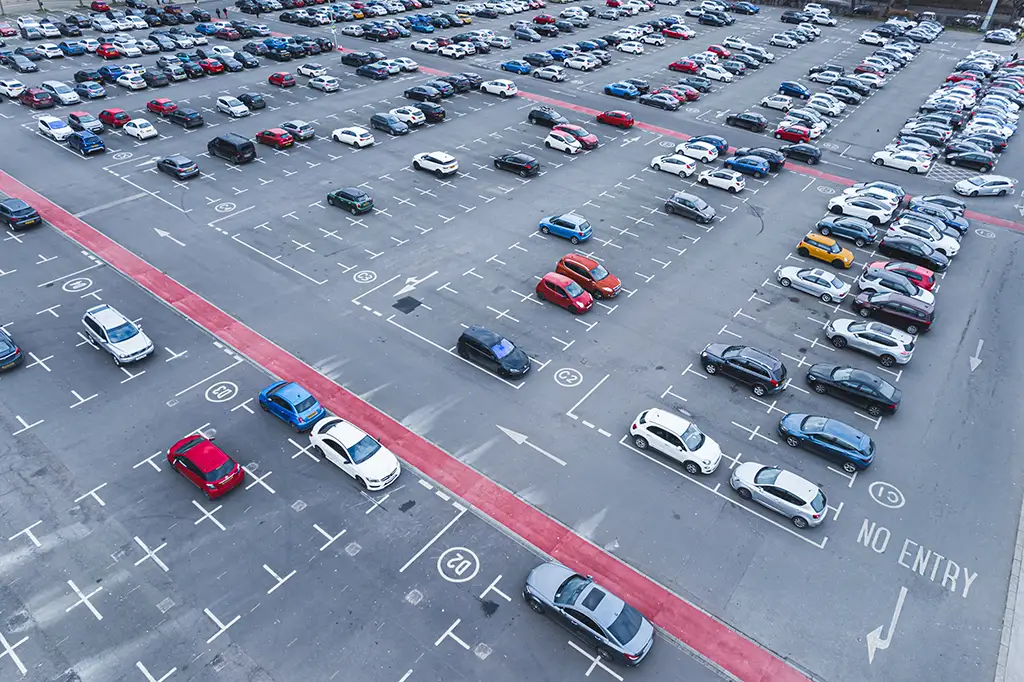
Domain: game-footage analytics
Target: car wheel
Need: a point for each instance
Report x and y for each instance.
(605, 654)
(859, 242)
(734, 190)
(535, 605)
(792, 441)
(838, 342)
(710, 369)
(640, 442)
(545, 229)
(879, 162)
(759, 175)
(912, 170)
(864, 312)
(799, 522)
(1002, 193)
(744, 493)
(778, 137)
(703, 181)
(985, 169)
(803, 252)
(874, 220)
(522, 174)
(820, 389)
(574, 240)
(547, 144)
(912, 329)
(825, 231)
(691, 468)
(813, 161)
(785, 281)
(838, 263)
(849, 467)
(361, 482)
(759, 390)
(975, 193)
(887, 361)
(670, 209)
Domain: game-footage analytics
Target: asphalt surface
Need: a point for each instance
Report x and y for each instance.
(377, 302)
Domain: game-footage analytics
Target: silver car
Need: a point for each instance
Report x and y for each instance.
(116, 334)
(985, 186)
(600, 619)
(880, 281)
(784, 492)
(814, 281)
(550, 73)
(890, 346)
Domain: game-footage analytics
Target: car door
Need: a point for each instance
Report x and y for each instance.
(189, 470)
(889, 313)
(282, 409)
(96, 332)
(769, 496)
(337, 455)
(583, 626)
(555, 294)
(807, 283)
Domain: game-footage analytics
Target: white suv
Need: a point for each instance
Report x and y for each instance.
(501, 87)
(677, 438)
(438, 163)
(116, 334)
(890, 346)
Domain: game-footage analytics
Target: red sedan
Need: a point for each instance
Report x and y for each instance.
(115, 118)
(6, 30)
(562, 291)
(619, 119)
(278, 138)
(211, 66)
(107, 51)
(281, 79)
(682, 93)
(613, 3)
(227, 34)
(36, 98)
(720, 51)
(582, 135)
(675, 32)
(162, 106)
(443, 41)
(99, 6)
(957, 77)
(793, 133)
(544, 19)
(684, 65)
(922, 277)
(204, 464)
(868, 68)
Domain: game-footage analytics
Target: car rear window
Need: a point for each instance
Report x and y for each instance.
(220, 472)
(190, 444)
(626, 625)
(304, 405)
(818, 503)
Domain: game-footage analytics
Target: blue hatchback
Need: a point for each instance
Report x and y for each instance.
(717, 141)
(516, 66)
(794, 89)
(86, 143)
(569, 226)
(422, 27)
(71, 49)
(292, 404)
(559, 54)
(110, 73)
(748, 165)
(830, 439)
(206, 29)
(624, 90)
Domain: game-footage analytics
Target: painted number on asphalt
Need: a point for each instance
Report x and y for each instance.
(987, 234)
(222, 391)
(77, 285)
(365, 276)
(568, 377)
(886, 494)
(825, 189)
(458, 565)
(224, 207)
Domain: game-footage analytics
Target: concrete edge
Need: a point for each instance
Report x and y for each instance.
(1010, 665)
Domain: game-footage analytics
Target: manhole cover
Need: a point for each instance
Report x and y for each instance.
(406, 304)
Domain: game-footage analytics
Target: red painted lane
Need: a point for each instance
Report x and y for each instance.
(699, 630)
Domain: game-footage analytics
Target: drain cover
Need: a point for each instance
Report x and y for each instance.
(406, 304)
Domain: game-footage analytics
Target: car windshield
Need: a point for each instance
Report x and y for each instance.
(598, 273)
(502, 348)
(122, 332)
(767, 476)
(833, 248)
(220, 472)
(626, 625)
(568, 591)
(573, 289)
(305, 404)
(363, 450)
(54, 125)
(977, 182)
(693, 438)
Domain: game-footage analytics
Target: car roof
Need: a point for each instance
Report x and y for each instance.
(291, 392)
(668, 420)
(206, 455)
(797, 485)
(483, 335)
(106, 316)
(345, 433)
(752, 353)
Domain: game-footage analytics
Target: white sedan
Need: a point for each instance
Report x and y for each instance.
(407, 64)
(132, 81)
(325, 83)
(312, 70)
(54, 128)
(702, 151)
(736, 43)
(563, 142)
(676, 164)
(871, 38)
(358, 454)
(11, 87)
(391, 65)
(501, 87)
(409, 115)
(860, 207)
(912, 162)
(90, 44)
(140, 128)
(425, 45)
(814, 281)
(722, 178)
(353, 136)
(630, 47)
(716, 73)
(778, 102)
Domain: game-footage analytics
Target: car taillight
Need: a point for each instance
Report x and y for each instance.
(632, 657)
(814, 516)
(774, 382)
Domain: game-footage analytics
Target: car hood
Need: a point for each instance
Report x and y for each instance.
(745, 472)
(546, 578)
(381, 465)
(136, 344)
(821, 370)
(715, 349)
(517, 361)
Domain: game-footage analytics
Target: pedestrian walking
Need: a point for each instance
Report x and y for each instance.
(218, 12)
(1014, 58)
(257, 11)
(225, 12)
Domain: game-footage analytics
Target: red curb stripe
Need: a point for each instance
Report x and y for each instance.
(711, 638)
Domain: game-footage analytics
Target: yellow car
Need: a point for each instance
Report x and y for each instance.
(825, 248)
(358, 14)
(466, 18)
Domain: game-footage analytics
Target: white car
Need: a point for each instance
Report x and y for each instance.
(870, 79)
(135, 68)
(872, 38)
(884, 64)
(677, 164)
(54, 128)
(655, 39)
(563, 142)
(353, 136)
(359, 455)
(11, 87)
(861, 207)
(761, 54)
(223, 51)
(702, 151)
(127, 48)
(875, 193)
(938, 240)
(630, 47)
(48, 29)
(912, 162)
(722, 178)
(814, 281)
(880, 281)
(148, 46)
(232, 106)
(736, 43)
(49, 50)
(438, 163)
(550, 73)
(581, 63)
(826, 105)
(131, 81)
(325, 83)
(500, 42)
(90, 44)
(141, 129)
(61, 92)
(115, 334)
(810, 28)
(716, 73)
(676, 438)
(311, 70)
(407, 64)
(391, 65)
(453, 51)
(409, 115)
(890, 346)
(500, 87)
(693, 11)
(823, 19)
(425, 45)
(778, 102)
(138, 23)
(826, 77)
(780, 40)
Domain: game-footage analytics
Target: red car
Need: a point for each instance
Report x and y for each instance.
(99, 6)
(6, 30)
(684, 65)
(619, 119)
(613, 3)
(277, 138)
(115, 118)
(207, 466)
(161, 106)
(36, 98)
(673, 32)
(590, 275)
(562, 291)
(957, 77)
(868, 68)
(443, 41)
(107, 51)
(227, 34)
(682, 93)
(281, 79)
(211, 66)
(584, 136)
(720, 51)
(922, 277)
(793, 133)
(544, 19)
(300, 3)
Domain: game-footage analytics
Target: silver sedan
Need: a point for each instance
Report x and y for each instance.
(814, 281)
(985, 186)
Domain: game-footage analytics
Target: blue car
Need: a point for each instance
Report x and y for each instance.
(717, 141)
(748, 165)
(942, 214)
(291, 403)
(110, 73)
(745, 8)
(275, 43)
(831, 439)
(86, 143)
(71, 49)
(422, 27)
(206, 29)
(516, 66)
(90, 90)
(794, 89)
(559, 54)
(569, 226)
(624, 90)
(587, 45)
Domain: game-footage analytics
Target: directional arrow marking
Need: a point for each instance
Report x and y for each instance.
(412, 282)
(976, 358)
(520, 439)
(875, 639)
(167, 235)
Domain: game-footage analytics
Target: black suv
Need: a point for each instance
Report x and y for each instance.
(358, 59)
(764, 373)
(186, 118)
(826, 67)
(749, 120)
(794, 17)
(546, 116)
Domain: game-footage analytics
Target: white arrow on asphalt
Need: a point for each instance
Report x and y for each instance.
(411, 283)
(976, 358)
(875, 639)
(167, 235)
(1020, 207)
(520, 439)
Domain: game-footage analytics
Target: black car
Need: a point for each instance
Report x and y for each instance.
(352, 199)
(527, 34)
(844, 94)
(255, 48)
(746, 60)
(564, 26)
(749, 120)
(997, 143)
(698, 83)
(538, 59)
(458, 82)
(486, 13)
(855, 386)
(278, 55)
(230, 64)
(547, 30)
(178, 166)
(660, 101)
(193, 70)
(253, 100)
(764, 373)
(358, 58)
(86, 75)
(729, 20)
(978, 160)
(155, 79)
(29, 53)
(776, 159)
(859, 231)
(708, 19)
(16, 214)
(22, 64)
(373, 72)
(475, 80)
(431, 112)
(734, 67)
(611, 39)
(518, 163)
(794, 17)
(952, 204)
(389, 124)
(68, 30)
(445, 89)
(186, 118)
(546, 116)
(492, 351)
(246, 60)
(690, 206)
(837, 68)
(423, 93)
(854, 84)
(914, 251)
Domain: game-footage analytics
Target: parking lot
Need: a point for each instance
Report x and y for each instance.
(906, 577)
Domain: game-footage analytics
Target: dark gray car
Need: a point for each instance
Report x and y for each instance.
(617, 630)
(690, 206)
